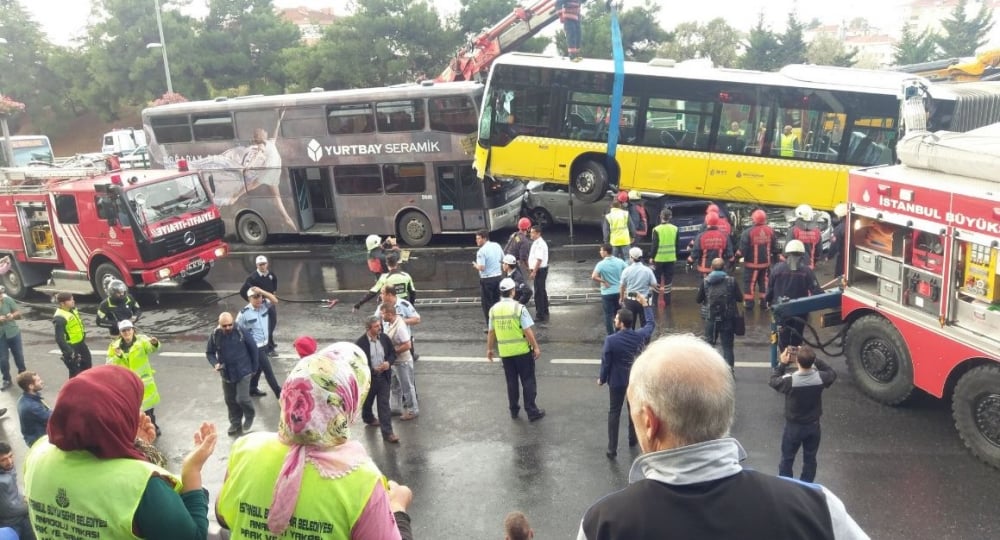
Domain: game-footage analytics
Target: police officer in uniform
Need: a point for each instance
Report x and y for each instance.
(510, 330)
(511, 270)
(263, 278)
(791, 279)
(71, 336)
(117, 307)
(252, 320)
(395, 278)
(758, 248)
(663, 254)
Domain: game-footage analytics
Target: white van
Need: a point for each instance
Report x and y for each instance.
(120, 141)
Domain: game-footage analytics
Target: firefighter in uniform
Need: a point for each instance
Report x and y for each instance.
(710, 244)
(71, 336)
(724, 225)
(840, 213)
(664, 255)
(569, 16)
(806, 230)
(131, 350)
(510, 329)
(790, 279)
(117, 307)
(618, 228)
(759, 249)
(377, 252)
(398, 279)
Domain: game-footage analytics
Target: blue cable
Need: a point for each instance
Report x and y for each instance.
(618, 88)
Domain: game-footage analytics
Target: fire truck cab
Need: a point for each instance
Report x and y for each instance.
(922, 291)
(74, 230)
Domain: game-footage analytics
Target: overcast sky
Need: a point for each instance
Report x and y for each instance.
(72, 14)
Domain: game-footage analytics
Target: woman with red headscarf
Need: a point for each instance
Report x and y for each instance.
(91, 476)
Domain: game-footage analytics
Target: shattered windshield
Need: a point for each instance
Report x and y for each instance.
(170, 198)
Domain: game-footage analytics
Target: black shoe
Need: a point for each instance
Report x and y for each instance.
(537, 416)
(247, 424)
(272, 353)
(514, 414)
(257, 393)
(611, 454)
(234, 430)
(6, 385)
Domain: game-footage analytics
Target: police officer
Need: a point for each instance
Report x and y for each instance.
(511, 270)
(117, 307)
(759, 249)
(510, 329)
(71, 336)
(618, 228)
(131, 350)
(396, 278)
(663, 254)
(791, 279)
(710, 244)
(252, 320)
(263, 278)
(806, 230)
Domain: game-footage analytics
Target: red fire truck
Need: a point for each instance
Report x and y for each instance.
(74, 230)
(922, 292)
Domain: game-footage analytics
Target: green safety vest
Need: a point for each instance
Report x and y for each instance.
(137, 360)
(64, 500)
(666, 250)
(74, 325)
(506, 316)
(618, 227)
(326, 507)
(788, 146)
(400, 281)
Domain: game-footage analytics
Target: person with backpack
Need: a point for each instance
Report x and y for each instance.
(233, 354)
(719, 295)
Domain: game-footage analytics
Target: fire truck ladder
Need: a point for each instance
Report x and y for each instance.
(34, 180)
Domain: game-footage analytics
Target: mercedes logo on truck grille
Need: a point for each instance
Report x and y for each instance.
(189, 238)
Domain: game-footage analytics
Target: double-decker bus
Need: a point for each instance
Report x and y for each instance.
(779, 139)
(27, 150)
(393, 160)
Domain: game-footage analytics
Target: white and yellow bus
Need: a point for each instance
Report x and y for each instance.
(775, 139)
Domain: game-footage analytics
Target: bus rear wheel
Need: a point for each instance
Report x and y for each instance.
(251, 229)
(975, 406)
(415, 229)
(879, 361)
(589, 181)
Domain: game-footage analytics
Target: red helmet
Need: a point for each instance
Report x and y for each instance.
(712, 208)
(523, 224)
(712, 219)
(759, 217)
(623, 197)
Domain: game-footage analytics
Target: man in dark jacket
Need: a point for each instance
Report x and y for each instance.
(718, 295)
(689, 483)
(620, 350)
(791, 279)
(381, 354)
(233, 354)
(510, 268)
(32, 411)
(263, 278)
(117, 307)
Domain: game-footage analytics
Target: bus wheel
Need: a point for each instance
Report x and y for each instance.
(975, 406)
(252, 229)
(415, 229)
(879, 361)
(105, 273)
(589, 181)
(14, 283)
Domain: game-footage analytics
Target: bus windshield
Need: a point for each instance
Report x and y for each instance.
(27, 149)
(168, 199)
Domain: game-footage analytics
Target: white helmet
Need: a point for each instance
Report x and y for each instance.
(804, 212)
(795, 247)
(372, 241)
(840, 210)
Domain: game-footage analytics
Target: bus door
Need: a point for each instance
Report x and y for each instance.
(313, 192)
(460, 196)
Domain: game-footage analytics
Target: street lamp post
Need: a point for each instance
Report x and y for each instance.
(163, 47)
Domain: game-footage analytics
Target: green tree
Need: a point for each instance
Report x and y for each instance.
(915, 48)
(763, 50)
(641, 34)
(23, 59)
(962, 34)
(793, 45)
(827, 50)
(715, 40)
(246, 38)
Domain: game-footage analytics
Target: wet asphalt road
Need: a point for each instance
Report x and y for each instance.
(902, 473)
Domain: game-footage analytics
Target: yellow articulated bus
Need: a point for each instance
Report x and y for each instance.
(769, 139)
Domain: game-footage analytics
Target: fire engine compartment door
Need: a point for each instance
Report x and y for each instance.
(36, 229)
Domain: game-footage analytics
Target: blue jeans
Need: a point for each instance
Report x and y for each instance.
(8, 346)
(807, 436)
(573, 34)
(609, 302)
(407, 389)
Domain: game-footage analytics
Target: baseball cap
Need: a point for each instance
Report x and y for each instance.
(304, 345)
(125, 324)
(509, 259)
(507, 284)
(635, 253)
(261, 259)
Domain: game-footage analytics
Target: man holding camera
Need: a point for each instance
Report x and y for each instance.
(803, 389)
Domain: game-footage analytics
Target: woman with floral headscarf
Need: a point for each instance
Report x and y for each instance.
(310, 478)
(91, 474)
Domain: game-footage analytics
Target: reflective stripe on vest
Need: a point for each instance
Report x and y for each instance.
(761, 239)
(666, 249)
(618, 227)
(811, 239)
(137, 360)
(74, 325)
(60, 487)
(506, 316)
(788, 145)
(713, 245)
(326, 507)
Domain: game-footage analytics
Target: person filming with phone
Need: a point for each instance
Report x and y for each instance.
(802, 378)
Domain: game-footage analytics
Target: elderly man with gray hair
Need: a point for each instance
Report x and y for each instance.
(689, 483)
